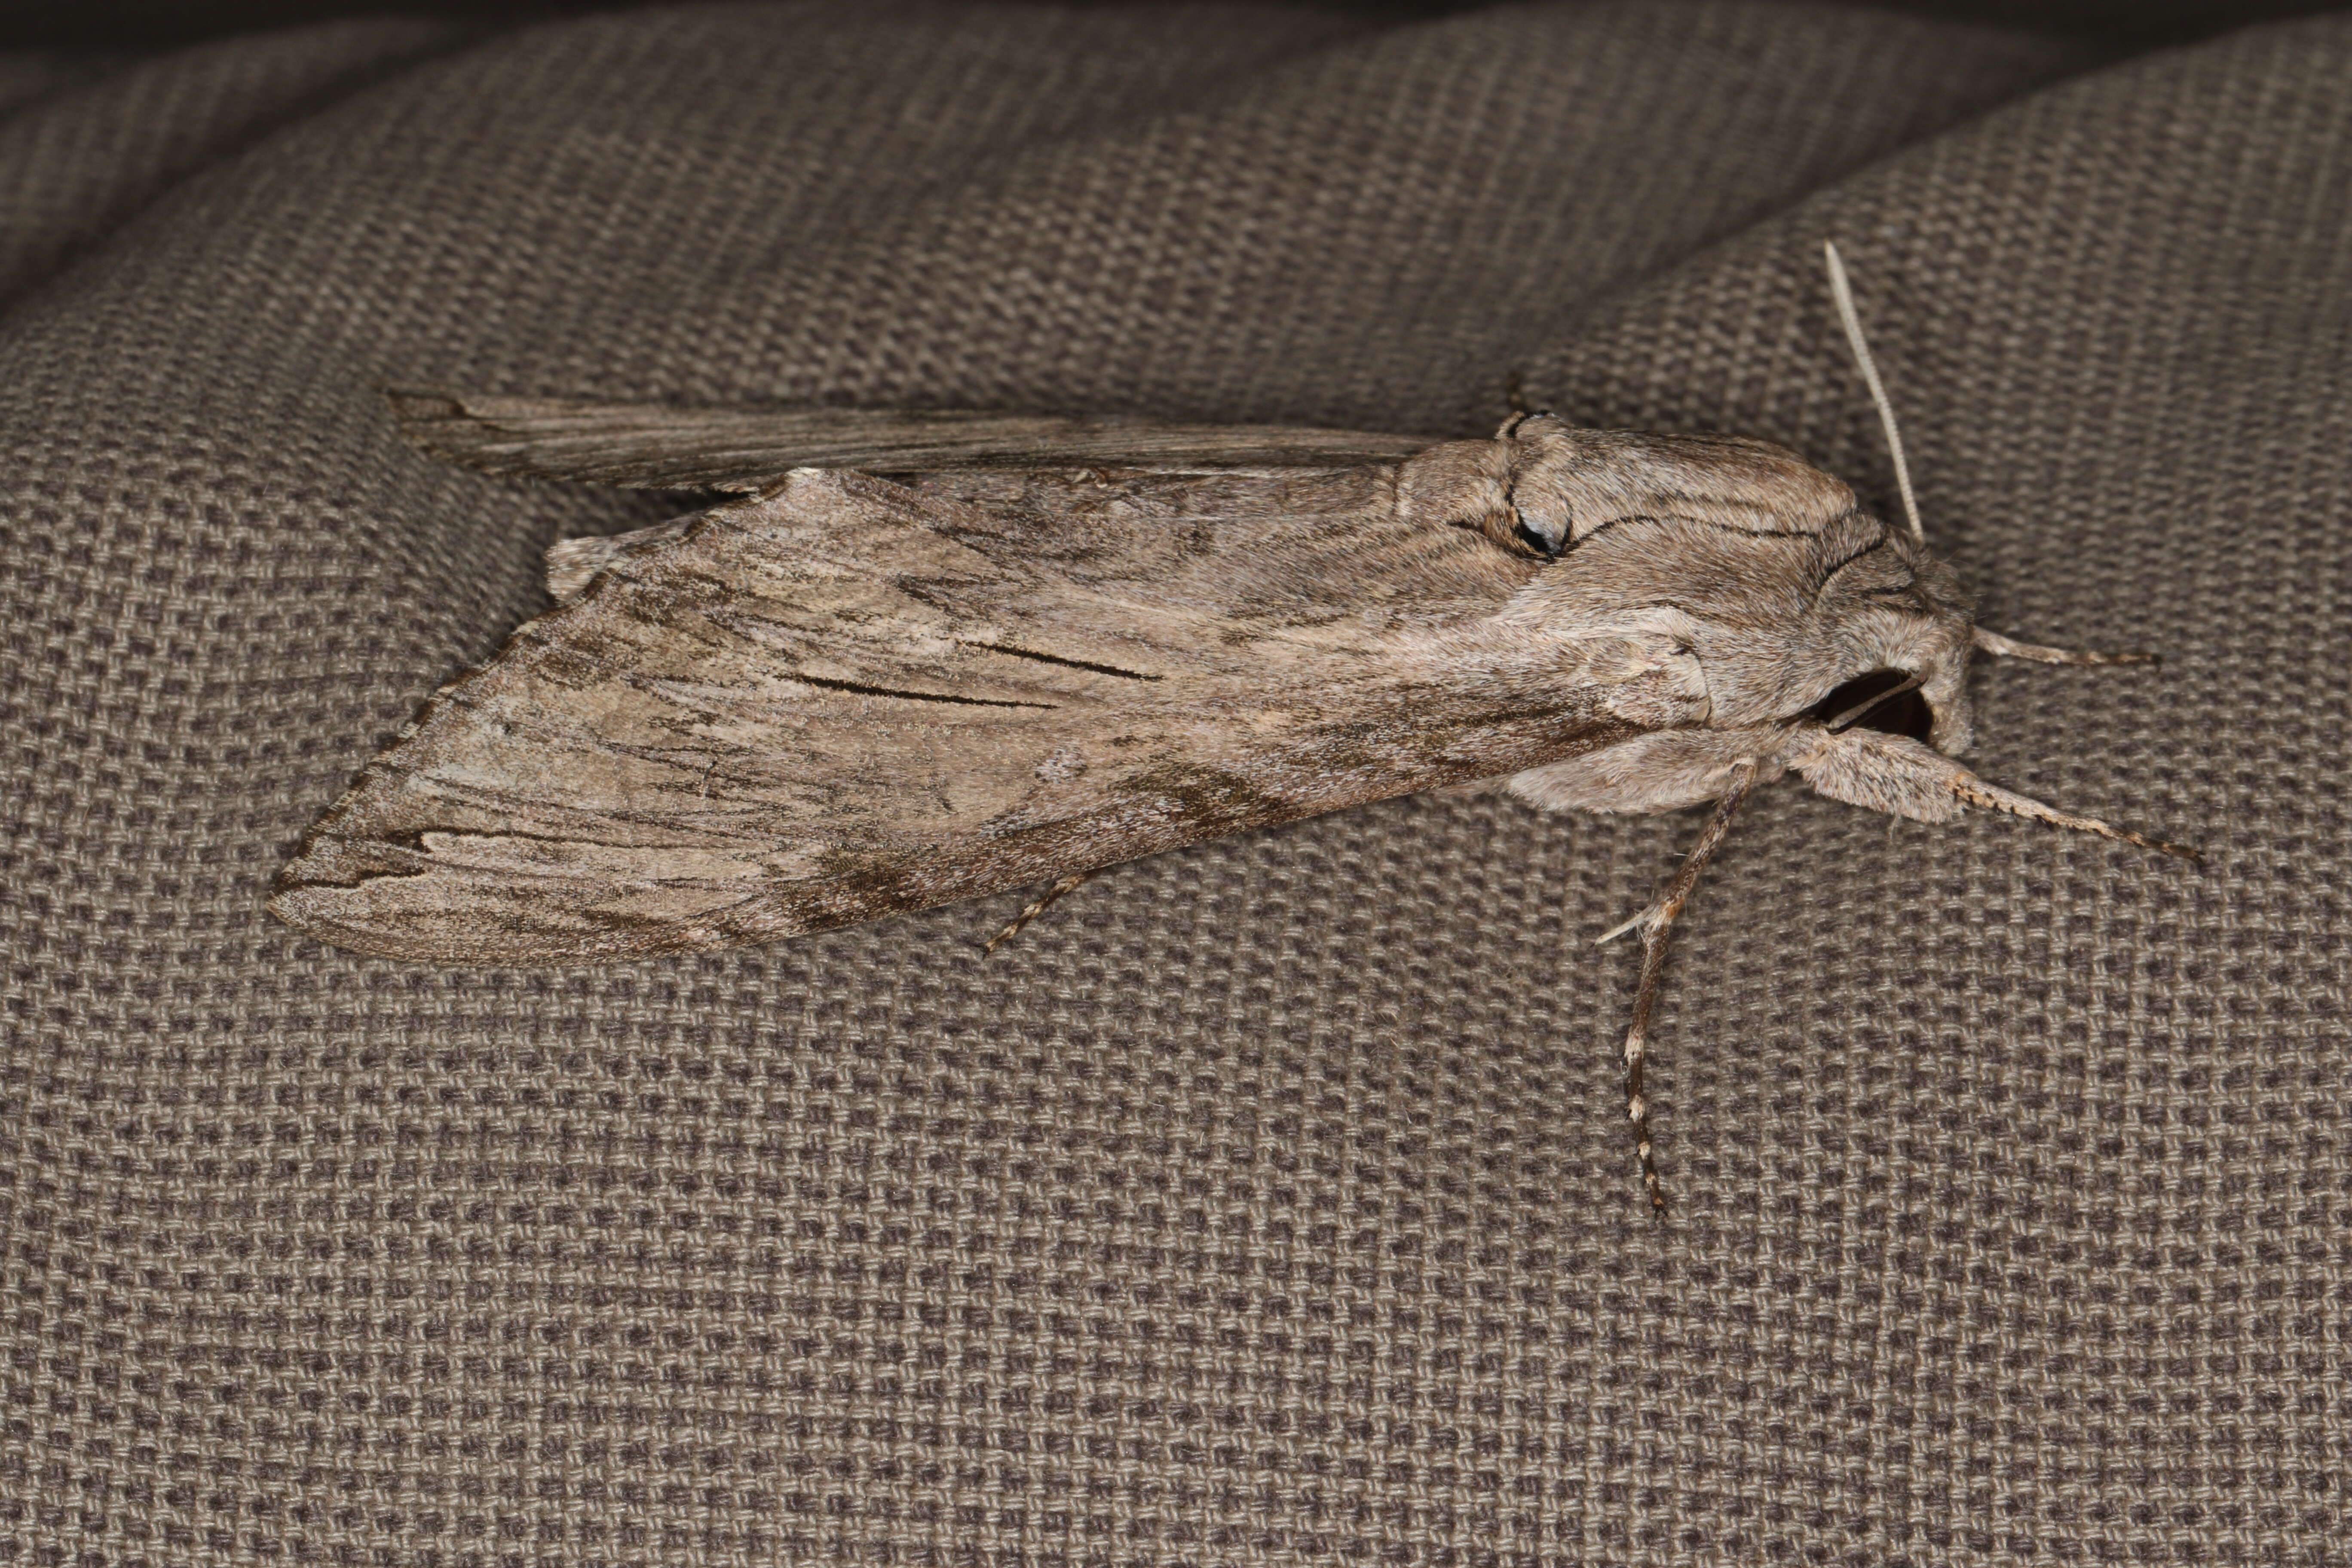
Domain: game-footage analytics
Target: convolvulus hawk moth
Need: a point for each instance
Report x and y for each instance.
(924, 656)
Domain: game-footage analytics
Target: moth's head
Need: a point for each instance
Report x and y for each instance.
(1752, 575)
(1741, 608)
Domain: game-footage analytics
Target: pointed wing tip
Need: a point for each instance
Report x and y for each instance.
(353, 901)
(336, 914)
(445, 426)
(309, 908)
(380, 899)
(416, 397)
(342, 917)
(420, 410)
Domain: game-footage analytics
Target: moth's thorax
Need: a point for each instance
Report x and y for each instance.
(1542, 485)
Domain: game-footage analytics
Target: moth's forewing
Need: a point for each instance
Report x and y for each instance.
(846, 698)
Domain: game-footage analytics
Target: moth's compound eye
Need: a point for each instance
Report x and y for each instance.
(1884, 699)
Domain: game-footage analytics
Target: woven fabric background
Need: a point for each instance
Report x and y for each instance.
(1270, 1202)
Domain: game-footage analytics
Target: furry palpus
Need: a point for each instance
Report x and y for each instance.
(931, 655)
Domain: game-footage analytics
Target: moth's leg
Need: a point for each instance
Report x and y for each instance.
(1666, 770)
(2000, 647)
(1897, 774)
(1036, 908)
(1656, 925)
(1992, 797)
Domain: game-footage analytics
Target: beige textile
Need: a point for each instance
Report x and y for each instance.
(1264, 1203)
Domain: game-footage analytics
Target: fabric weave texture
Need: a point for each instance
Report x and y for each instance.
(1269, 1202)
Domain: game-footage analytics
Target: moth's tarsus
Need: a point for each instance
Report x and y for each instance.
(1976, 792)
(1657, 924)
(1992, 797)
(2000, 647)
(1034, 909)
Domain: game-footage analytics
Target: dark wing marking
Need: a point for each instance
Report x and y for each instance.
(648, 446)
(738, 732)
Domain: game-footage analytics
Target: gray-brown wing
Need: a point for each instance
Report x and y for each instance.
(845, 698)
(648, 446)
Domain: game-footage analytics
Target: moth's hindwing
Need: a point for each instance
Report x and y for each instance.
(847, 698)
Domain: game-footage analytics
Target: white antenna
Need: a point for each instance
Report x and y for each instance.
(1843, 291)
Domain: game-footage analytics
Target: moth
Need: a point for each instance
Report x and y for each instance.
(920, 656)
